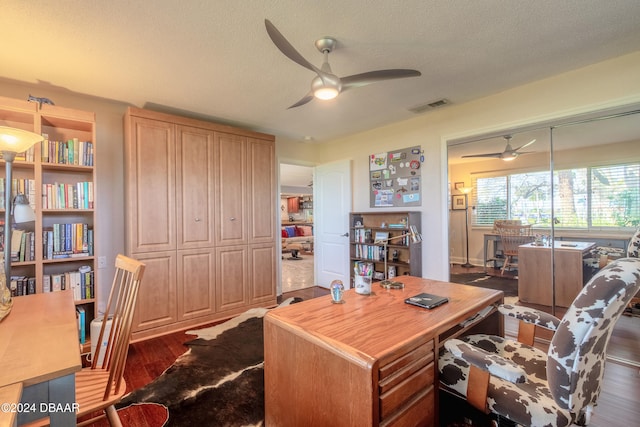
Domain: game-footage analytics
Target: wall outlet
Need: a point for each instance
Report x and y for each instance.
(102, 262)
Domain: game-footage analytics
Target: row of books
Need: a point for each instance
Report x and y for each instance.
(19, 186)
(70, 152)
(68, 240)
(23, 246)
(21, 285)
(80, 282)
(362, 235)
(25, 156)
(68, 196)
(372, 252)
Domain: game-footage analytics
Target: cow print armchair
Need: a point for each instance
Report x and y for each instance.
(521, 383)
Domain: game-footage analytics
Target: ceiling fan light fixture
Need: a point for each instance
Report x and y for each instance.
(325, 93)
(325, 88)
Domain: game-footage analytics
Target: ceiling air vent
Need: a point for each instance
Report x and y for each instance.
(430, 106)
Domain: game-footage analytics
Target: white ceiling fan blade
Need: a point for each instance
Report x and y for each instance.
(307, 98)
(286, 48)
(363, 79)
(525, 145)
(497, 155)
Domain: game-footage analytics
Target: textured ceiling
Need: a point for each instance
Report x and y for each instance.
(215, 59)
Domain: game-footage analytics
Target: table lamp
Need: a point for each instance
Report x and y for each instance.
(415, 238)
(12, 141)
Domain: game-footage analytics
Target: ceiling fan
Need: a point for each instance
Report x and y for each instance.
(509, 153)
(327, 85)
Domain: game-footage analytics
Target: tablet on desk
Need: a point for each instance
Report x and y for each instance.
(426, 300)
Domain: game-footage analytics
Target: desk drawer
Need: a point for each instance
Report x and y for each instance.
(405, 378)
(395, 366)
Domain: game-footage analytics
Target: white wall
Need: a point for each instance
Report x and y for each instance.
(599, 86)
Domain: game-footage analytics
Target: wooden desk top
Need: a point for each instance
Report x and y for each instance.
(563, 245)
(39, 339)
(368, 327)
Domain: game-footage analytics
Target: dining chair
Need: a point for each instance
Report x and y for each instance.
(512, 236)
(100, 386)
(516, 381)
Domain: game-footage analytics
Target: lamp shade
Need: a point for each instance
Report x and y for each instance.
(22, 211)
(17, 140)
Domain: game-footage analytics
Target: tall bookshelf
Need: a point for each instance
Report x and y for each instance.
(58, 177)
(403, 256)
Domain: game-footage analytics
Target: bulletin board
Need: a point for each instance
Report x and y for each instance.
(395, 178)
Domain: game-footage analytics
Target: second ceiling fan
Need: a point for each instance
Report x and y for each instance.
(327, 85)
(508, 154)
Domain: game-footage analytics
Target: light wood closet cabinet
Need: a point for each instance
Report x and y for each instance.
(201, 214)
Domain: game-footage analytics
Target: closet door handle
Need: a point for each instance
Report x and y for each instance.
(233, 218)
(198, 220)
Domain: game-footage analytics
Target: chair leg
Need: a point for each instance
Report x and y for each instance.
(112, 416)
(507, 260)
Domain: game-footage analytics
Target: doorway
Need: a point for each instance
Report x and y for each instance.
(297, 227)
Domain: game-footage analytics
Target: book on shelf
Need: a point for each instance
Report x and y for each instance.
(80, 282)
(82, 335)
(73, 240)
(70, 152)
(22, 285)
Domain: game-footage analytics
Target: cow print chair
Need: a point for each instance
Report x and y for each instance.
(518, 382)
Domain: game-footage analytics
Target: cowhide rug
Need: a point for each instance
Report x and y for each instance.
(219, 381)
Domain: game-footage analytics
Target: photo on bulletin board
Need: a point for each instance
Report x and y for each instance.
(395, 178)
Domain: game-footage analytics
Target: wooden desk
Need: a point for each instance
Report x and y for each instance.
(535, 272)
(368, 362)
(39, 349)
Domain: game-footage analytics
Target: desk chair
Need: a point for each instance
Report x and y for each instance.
(519, 382)
(512, 236)
(101, 386)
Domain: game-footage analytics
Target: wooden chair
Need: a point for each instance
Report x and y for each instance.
(101, 386)
(512, 236)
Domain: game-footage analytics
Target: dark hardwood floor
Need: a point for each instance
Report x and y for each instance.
(618, 404)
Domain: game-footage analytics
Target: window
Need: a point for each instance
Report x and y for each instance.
(602, 197)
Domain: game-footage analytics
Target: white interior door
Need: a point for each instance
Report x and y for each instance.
(332, 204)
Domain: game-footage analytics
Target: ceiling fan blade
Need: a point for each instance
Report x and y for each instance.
(307, 98)
(287, 49)
(525, 145)
(497, 155)
(364, 79)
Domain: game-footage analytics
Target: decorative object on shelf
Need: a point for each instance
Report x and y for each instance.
(337, 289)
(12, 141)
(415, 238)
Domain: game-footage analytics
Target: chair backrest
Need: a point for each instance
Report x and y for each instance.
(514, 235)
(500, 222)
(577, 353)
(121, 306)
(633, 249)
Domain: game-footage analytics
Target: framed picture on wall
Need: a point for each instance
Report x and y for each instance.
(458, 186)
(458, 202)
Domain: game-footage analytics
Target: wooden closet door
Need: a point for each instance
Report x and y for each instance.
(150, 166)
(194, 187)
(158, 291)
(231, 189)
(262, 190)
